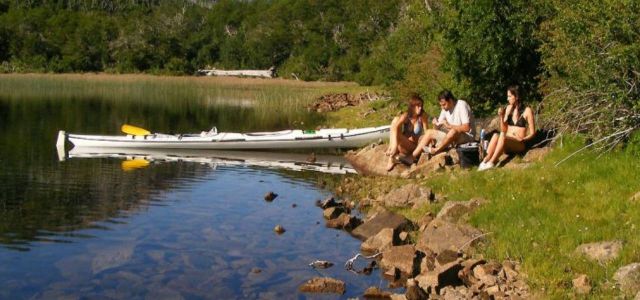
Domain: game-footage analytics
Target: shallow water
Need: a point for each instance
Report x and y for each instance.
(85, 228)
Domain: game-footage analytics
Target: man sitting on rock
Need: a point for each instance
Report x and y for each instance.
(454, 126)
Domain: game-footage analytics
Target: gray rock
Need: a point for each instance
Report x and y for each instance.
(405, 258)
(373, 292)
(453, 211)
(581, 284)
(383, 219)
(279, 229)
(328, 202)
(442, 276)
(403, 237)
(344, 221)
(414, 292)
(412, 195)
(601, 252)
(441, 235)
(628, 278)
(269, 196)
(332, 212)
(446, 256)
(323, 285)
(379, 242)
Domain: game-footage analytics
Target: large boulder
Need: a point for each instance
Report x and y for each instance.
(628, 278)
(381, 220)
(373, 161)
(442, 235)
(412, 195)
(323, 285)
(379, 242)
(601, 252)
(404, 258)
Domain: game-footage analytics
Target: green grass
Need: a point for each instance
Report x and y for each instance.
(540, 214)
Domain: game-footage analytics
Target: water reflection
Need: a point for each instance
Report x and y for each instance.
(142, 158)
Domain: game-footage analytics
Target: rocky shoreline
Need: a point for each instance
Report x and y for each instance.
(432, 258)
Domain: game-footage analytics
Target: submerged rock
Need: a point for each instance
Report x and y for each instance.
(323, 285)
(270, 196)
(279, 229)
(376, 293)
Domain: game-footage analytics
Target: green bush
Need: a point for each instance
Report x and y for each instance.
(591, 54)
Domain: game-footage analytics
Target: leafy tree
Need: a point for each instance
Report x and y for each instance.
(491, 44)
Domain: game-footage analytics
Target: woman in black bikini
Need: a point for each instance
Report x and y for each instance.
(406, 130)
(517, 126)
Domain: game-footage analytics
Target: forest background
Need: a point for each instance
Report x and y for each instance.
(577, 61)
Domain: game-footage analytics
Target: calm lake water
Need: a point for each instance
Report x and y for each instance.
(86, 228)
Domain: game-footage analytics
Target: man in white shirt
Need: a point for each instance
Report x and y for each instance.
(455, 125)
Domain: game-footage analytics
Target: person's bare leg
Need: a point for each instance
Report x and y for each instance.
(449, 138)
(404, 146)
(424, 140)
(512, 145)
(492, 147)
(499, 149)
(393, 137)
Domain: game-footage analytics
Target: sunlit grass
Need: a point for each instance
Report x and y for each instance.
(540, 214)
(265, 100)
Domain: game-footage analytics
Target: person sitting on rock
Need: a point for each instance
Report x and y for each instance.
(517, 127)
(406, 130)
(454, 126)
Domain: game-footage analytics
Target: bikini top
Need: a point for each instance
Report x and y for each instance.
(415, 130)
(521, 122)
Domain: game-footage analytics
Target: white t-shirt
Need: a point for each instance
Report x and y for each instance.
(461, 114)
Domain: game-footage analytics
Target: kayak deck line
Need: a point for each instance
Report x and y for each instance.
(285, 139)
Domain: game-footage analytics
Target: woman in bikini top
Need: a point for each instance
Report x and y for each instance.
(406, 130)
(517, 126)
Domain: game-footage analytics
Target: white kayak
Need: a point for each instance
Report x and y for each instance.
(286, 139)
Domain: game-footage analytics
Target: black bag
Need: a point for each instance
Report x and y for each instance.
(469, 155)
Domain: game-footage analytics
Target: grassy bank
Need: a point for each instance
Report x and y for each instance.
(539, 214)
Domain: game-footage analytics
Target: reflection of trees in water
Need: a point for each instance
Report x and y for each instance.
(48, 204)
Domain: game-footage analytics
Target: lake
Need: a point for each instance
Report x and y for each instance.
(196, 228)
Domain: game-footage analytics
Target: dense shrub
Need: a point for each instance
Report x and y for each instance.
(591, 54)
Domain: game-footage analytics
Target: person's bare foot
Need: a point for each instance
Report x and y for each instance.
(391, 164)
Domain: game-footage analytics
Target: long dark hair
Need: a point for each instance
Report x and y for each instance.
(515, 91)
(413, 100)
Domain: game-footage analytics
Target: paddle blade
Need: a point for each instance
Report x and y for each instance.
(130, 165)
(133, 130)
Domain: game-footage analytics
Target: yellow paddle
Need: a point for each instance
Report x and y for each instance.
(133, 130)
(132, 164)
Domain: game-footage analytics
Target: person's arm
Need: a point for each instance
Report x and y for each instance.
(531, 124)
(503, 122)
